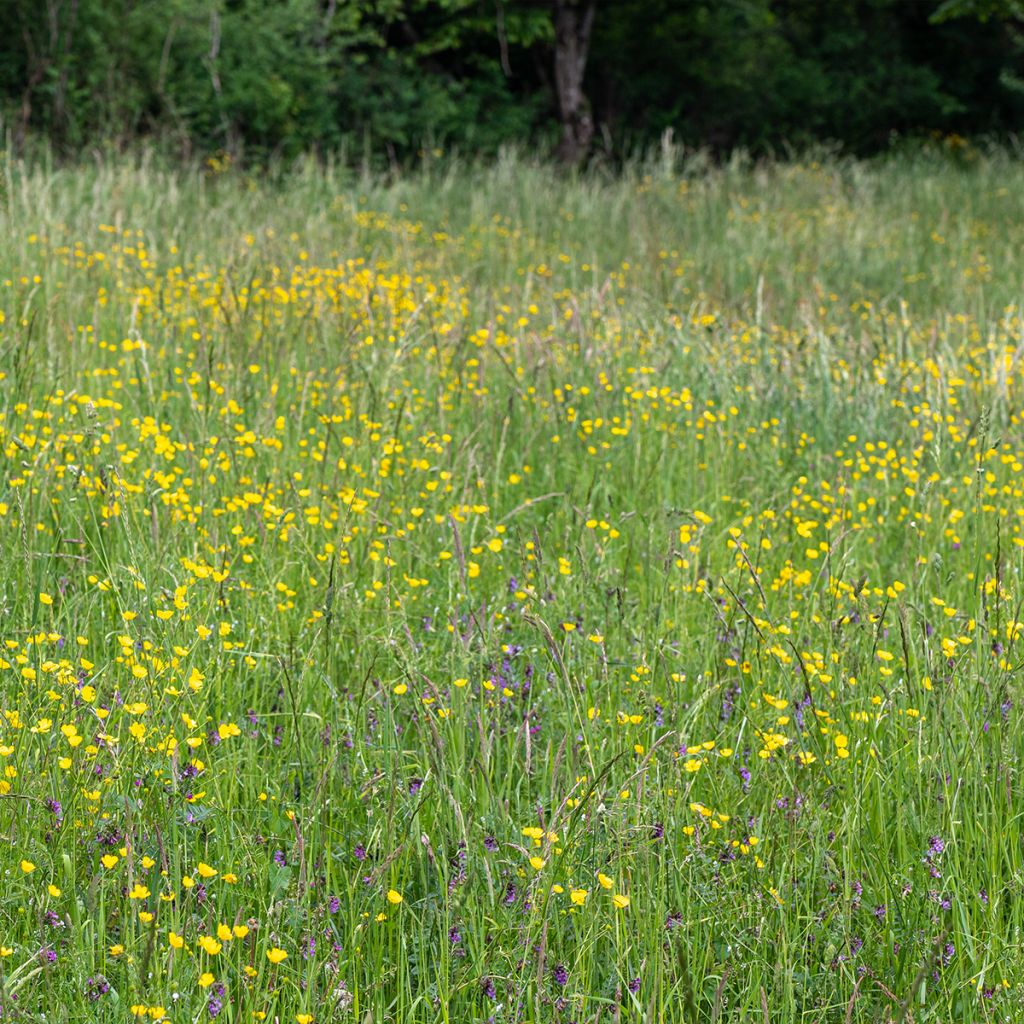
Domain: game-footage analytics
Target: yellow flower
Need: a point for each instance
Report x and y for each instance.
(205, 979)
(53, 890)
(606, 882)
(139, 892)
(394, 897)
(578, 896)
(5, 951)
(224, 933)
(621, 901)
(240, 931)
(109, 860)
(210, 944)
(116, 950)
(176, 941)
(28, 867)
(304, 1018)
(275, 955)
(206, 871)
(537, 863)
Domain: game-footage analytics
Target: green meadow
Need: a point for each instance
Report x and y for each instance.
(492, 594)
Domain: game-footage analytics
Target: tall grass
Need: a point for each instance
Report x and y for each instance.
(512, 596)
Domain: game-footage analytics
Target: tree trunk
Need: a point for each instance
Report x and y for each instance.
(574, 20)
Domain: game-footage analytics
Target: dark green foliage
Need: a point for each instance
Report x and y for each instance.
(279, 77)
(758, 73)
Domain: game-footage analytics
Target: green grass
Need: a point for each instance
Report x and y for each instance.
(352, 527)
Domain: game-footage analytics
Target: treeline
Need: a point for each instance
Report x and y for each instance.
(393, 77)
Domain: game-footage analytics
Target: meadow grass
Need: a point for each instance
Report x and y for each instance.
(494, 595)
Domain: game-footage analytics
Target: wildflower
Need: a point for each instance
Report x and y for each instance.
(394, 897)
(276, 956)
(96, 988)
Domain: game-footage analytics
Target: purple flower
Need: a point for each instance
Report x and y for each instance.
(334, 905)
(359, 852)
(96, 988)
(561, 975)
(491, 844)
(414, 786)
(487, 985)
